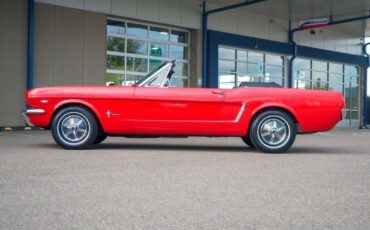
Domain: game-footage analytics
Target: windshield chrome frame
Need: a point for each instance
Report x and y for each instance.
(167, 67)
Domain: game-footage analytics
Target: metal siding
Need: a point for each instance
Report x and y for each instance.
(102, 6)
(170, 12)
(124, 8)
(13, 53)
(148, 10)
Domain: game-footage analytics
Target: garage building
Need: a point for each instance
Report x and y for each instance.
(216, 43)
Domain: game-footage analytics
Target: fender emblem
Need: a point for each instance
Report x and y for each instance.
(109, 114)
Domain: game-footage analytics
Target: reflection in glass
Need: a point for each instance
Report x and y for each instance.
(159, 33)
(226, 81)
(255, 57)
(113, 79)
(226, 66)
(115, 44)
(242, 55)
(274, 60)
(179, 36)
(179, 82)
(319, 65)
(335, 68)
(319, 76)
(337, 78)
(179, 52)
(115, 62)
(241, 67)
(137, 47)
(158, 49)
(302, 63)
(115, 27)
(336, 87)
(225, 53)
(137, 64)
(303, 84)
(137, 30)
(181, 69)
(154, 64)
(274, 71)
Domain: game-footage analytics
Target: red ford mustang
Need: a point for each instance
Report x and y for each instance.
(265, 118)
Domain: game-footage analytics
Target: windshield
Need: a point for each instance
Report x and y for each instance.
(150, 74)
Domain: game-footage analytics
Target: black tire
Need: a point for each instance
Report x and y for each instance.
(74, 127)
(247, 141)
(273, 131)
(100, 138)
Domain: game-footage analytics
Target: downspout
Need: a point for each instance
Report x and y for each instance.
(30, 42)
(205, 35)
(366, 109)
(295, 48)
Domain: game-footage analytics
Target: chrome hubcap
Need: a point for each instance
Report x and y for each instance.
(74, 128)
(274, 131)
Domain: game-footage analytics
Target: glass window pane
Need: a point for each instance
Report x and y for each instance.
(158, 50)
(319, 76)
(115, 27)
(181, 69)
(318, 85)
(277, 80)
(244, 78)
(351, 70)
(137, 47)
(115, 44)
(226, 66)
(154, 64)
(274, 60)
(242, 55)
(336, 87)
(303, 84)
(179, 52)
(302, 63)
(159, 33)
(338, 78)
(254, 70)
(179, 82)
(304, 75)
(131, 79)
(225, 53)
(354, 115)
(335, 68)
(354, 98)
(241, 67)
(137, 64)
(115, 62)
(255, 57)
(274, 71)
(113, 79)
(319, 65)
(226, 81)
(137, 30)
(179, 36)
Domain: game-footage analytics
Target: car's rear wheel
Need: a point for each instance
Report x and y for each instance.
(74, 127)
(273, 131)
(247, 141)
(100, 138)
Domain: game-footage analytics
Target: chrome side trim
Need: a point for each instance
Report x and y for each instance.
(34, 111)
(343, 113)
(240, 114)
(29, 124)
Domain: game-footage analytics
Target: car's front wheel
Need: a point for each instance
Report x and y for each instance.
(74, 127)
(273, 131)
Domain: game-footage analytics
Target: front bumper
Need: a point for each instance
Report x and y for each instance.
(31, 112)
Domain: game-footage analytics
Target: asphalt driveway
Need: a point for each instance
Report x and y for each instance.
(323, 182)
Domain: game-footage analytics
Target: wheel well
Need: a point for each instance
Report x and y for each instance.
(75, 104)
(273, 108)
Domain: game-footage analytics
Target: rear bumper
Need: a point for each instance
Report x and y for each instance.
(31, 112)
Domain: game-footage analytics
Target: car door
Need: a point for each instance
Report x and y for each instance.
(177, 110)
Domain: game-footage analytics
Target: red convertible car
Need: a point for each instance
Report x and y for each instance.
(265, 118)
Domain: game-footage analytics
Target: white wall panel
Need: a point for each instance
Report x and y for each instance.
(46, 1)
(78, 4)
(329, 39)
(125, 8)
(228, 23)
(148, 10)
(317, 40)
(214, 22)
(170, 12)
(245, 24)
(102, 6)
(191, 14)
(261, 27)
(278, 30)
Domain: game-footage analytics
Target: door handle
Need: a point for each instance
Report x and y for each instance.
(220, 92)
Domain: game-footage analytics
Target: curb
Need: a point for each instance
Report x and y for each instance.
(19, 128)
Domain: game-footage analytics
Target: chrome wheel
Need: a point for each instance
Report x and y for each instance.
(274, 131)
(73, 128)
